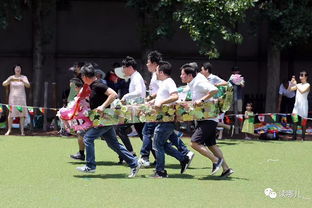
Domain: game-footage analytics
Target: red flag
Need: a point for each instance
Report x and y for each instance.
(42, 110)
(261, 118)
(1, 109)
(227, 120)
(31, 111)
(304, 122)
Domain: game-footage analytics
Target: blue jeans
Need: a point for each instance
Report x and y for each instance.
(109, 134)
(161, 146)
(148, 133)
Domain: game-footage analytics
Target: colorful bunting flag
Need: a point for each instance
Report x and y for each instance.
(273, 116)
(1, 109)
(304, 122)
(295, 118)
(240, 117)
(227, 120)
(42, 110)
(284, 119)
(261, 117)
(9, 107)
(31, 111)
(19, 108)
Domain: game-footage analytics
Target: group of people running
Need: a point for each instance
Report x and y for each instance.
(158, 138)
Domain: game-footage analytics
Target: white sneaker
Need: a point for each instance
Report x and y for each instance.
(144, 162)
(190, 155)
(85, 169)
(133, 134)
(134, 171)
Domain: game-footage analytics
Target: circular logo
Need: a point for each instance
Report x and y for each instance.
(267, 191)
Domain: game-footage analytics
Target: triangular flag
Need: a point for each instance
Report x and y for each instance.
(42, 110)
(19, 108)
(273, 116)
(284, 119)
(227, 120)
(31, 111)
(240, 117)
(261, 117)
(304, 122)
(295, 118)
(9, 107)
(1, 109)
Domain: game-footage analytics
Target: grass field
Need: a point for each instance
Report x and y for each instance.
(37, 172)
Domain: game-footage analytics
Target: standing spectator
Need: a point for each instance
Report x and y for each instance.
(301, 104)
(238, 82)
(17, 96)
(286, 98)
(248, 126)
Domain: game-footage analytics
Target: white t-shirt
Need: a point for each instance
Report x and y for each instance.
(287, 93)
(214, 79)
(199, 87)
(137, 87)
(154, 85)
(166, 88)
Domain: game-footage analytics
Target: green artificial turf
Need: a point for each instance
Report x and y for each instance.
(37, 172)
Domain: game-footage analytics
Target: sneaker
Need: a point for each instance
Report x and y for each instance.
(133, 134)
(227, 173)
(85, 169)
(144, 162)
(78, 156)
(190, 155)
(216, 166)
(160, 174)
(134, 171)
(184, 164)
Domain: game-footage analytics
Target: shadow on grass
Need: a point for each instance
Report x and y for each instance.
(176, 166)
(218, 178)
(101, 176)
(182, 176)
(100, 163)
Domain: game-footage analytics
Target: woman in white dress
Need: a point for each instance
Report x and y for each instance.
(301, 103)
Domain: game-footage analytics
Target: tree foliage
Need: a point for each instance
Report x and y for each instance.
(10, 10)
(209, 21)
(289, 21)
(156, 19)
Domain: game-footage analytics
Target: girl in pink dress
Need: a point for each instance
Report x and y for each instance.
(17, 96)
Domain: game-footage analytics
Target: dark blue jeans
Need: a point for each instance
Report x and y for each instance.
(148, 133)
(161, 146)
(109, 134)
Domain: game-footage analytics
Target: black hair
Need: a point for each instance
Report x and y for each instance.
(16, 66)
(77, 82)
(79, 64)
(154, 57)
(305, 72)
(207, 66)
(165, 67)
(194, 65)
(87, 70)
(249, 103)
(129, 61)
(116, 65)
(189, 70)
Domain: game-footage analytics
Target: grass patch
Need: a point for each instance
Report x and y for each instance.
(37, 172)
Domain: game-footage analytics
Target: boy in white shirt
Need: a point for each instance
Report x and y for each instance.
(166, 94)
(204, 138)
(137, 88)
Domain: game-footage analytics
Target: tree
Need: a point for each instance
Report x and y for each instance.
(289, 23)
(10, 10)
(208, 22)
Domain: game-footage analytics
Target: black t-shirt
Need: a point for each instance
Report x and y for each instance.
(97, 96)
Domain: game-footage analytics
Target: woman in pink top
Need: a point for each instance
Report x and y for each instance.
(17, 96)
